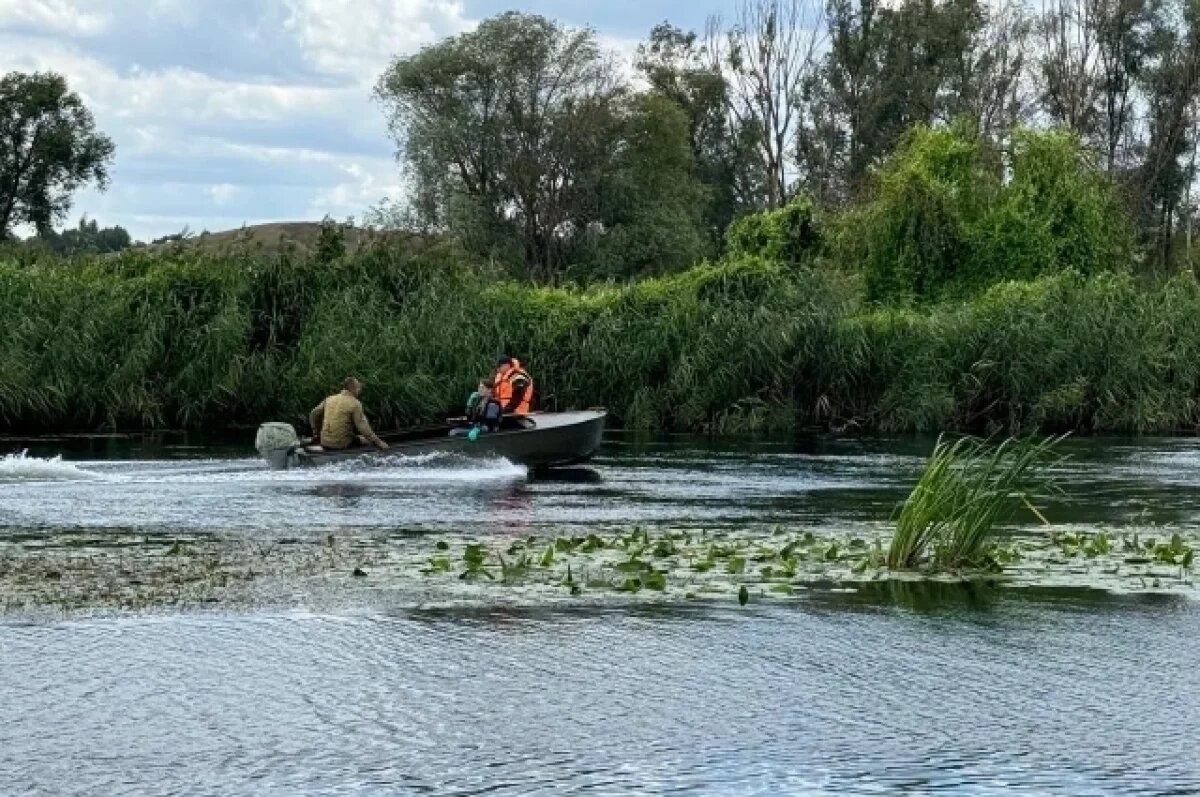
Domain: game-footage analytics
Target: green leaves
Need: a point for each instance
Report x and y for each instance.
(51, 146)
(967, 488)
(478, 170)
(1174, 552)
(942, 223)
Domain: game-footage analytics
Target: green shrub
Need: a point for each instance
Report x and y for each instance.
(179, 339)
(788, 235)
(942, 223)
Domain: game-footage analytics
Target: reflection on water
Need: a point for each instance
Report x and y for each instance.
(888, 688)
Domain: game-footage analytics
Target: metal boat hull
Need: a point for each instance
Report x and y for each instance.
(556, 439)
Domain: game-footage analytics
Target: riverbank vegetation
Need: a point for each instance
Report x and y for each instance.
(872, 243)
(197, 341)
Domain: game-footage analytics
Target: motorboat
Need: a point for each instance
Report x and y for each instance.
(538, 440)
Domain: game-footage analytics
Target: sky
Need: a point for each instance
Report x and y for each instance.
(232, 112)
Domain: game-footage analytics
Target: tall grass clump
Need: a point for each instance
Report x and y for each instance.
(967, 489)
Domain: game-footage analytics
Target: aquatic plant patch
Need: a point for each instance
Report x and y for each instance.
(87, 572)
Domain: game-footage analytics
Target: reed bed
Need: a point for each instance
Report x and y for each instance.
(203, 341)
(967, 489)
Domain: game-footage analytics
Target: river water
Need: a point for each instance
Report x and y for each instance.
(917, 688)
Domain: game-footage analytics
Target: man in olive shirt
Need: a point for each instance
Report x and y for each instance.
(340, 416)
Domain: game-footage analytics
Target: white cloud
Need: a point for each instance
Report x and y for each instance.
(229, 110)
(355, 38)
(222, 193)
(52, 16)
(364, 183)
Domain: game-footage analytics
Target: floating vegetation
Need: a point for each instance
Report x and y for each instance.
(968, 487)
(101, 571)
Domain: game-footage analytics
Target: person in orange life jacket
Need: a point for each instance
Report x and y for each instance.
(512, 387)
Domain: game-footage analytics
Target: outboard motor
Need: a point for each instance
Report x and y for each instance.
(276, 442)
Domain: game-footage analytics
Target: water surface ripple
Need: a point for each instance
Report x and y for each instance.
(925, 691)
(1034, 696)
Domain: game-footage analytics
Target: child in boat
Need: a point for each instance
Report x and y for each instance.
(483, 412)
(476, 400)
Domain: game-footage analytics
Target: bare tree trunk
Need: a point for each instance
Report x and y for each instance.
(766, 54)
(1191, 179)
(1069, 64)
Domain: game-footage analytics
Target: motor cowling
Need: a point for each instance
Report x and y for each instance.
(275, 441)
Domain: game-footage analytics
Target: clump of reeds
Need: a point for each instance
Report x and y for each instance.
(968, 488)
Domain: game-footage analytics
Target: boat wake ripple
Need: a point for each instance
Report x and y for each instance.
(22, 467)
(432, 467)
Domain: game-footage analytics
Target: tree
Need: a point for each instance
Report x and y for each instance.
(650, 203)
(505, 130)
(524, 143)
(889, 67)
(49, 148)
(1123, 39)
(767, 55)
(673, 63)
(1173, 90)
(87, 237)
(1069, 65)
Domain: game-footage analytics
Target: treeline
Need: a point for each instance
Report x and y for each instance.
(973, 287)
(87, 237)
(525, 140)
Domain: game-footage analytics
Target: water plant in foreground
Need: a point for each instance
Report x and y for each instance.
(968, 487)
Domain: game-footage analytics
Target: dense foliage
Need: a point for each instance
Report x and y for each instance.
(181, 339)
(88, 236)
(526, 142)
(764, 232)
(952, 214)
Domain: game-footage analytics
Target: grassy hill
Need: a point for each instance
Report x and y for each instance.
(300, 236)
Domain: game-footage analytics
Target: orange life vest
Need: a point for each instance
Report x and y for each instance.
(513, 388)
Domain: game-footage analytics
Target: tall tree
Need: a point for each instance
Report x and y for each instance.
(523, 141)
(888, 68)
(985, 82)
(650, 204)
(672, 62)
(1069, 65)
(509, 127)
(767, 53)
(1173, 92)
(1123, 37)
(49, 148)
